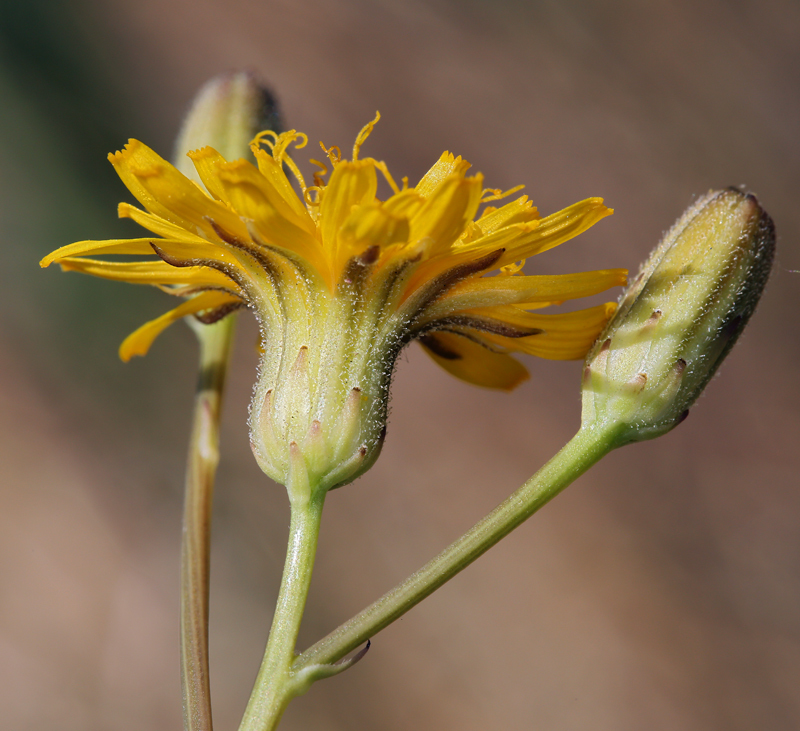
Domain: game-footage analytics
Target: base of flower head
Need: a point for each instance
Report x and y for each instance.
(324, 453)
(318, 415)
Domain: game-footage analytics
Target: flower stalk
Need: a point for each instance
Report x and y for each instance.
(277, 682)
(215, 347)
(227, 111)
(584, 450)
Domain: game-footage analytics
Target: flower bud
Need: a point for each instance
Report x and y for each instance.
(679, 318)
(226, 114)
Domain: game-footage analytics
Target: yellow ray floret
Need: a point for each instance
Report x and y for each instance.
(473, 362)
(420, 261)
(139, 341)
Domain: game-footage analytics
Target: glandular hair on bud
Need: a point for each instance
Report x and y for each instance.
(679, 318)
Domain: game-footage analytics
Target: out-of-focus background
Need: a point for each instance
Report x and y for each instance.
(661, 591)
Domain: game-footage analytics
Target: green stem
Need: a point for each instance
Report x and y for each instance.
(215, 347)
(277, 683)
(586, 448)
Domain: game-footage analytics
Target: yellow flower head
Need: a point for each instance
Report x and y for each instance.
(341, 280)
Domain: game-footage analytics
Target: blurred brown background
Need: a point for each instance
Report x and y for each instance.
(662, 591)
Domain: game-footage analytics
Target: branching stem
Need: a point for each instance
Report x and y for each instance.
(586, 448)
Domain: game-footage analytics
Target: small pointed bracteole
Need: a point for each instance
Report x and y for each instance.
(601, 359)
(653, 319)
(303, 680)
(301, 363)
(638, 382)
(349, 662)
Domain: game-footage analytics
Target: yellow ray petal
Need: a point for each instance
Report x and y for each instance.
(254, 199)
(368, 226)
(351, 184)
(240, 179)
(517, 211)
(157, 225)
(427, 271)
(181, 254)
(442, 169)
(458, 255)
(149, 272)
(272, 170)
(563, 322)
(139, 341)
(553, 230)
(474, 363)
(566, 336)
(405, 203)
(526, 290)
(127, 247)
(207, 161)
(169, 194)
(446, 213)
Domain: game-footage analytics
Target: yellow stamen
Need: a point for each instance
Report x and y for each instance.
(279, 152)
(261, 137)
(285, 139)
(363, 134)
(309, 201)
(380, 165)
(295, 171)
(334, 153)
(318, 181)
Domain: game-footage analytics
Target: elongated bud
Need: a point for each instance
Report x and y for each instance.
(679, 318)
(226, 114)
